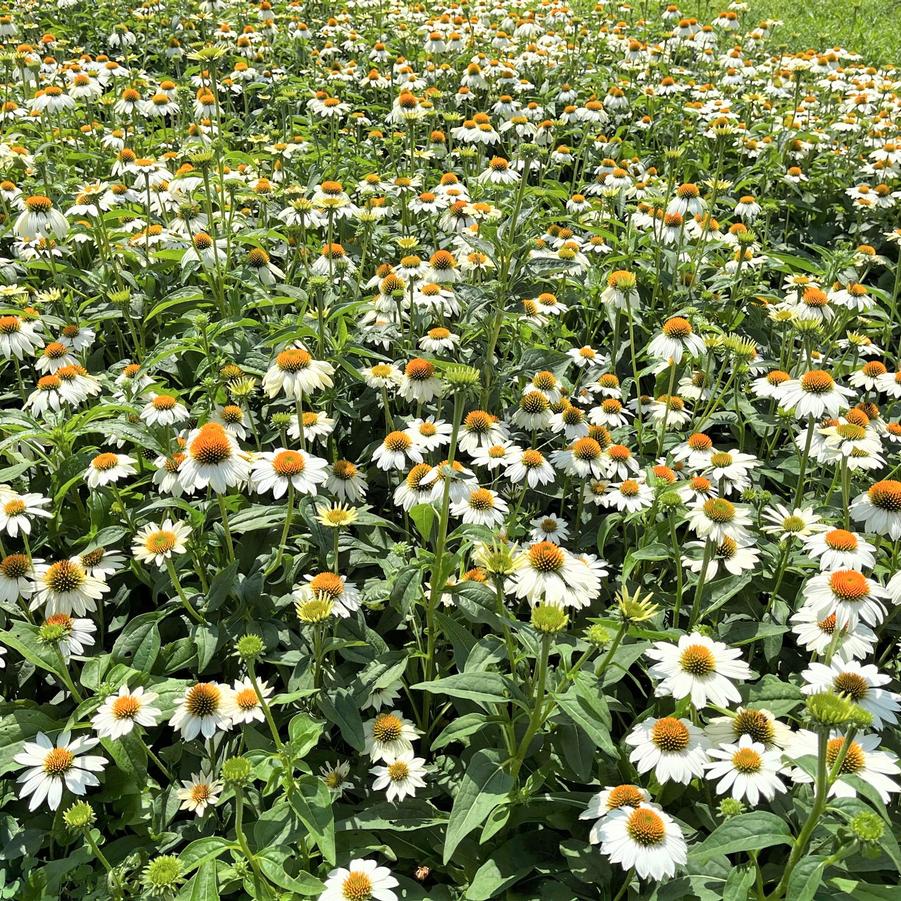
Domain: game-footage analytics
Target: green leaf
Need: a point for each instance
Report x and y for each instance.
(423, 516)
(486, 688)
(746, 832)
(206, 640)
(864, 891)
(507, 865)
(17, 725)
(775, 695)
(303, 733)
(414, 814)
(313, 804)
(205, 884)
(805, 879)
(584, 704)
(202, 850)
(138, 643)
(484, 785)
(461, 727)
(273, 863)
(23, 637)
(339, 707)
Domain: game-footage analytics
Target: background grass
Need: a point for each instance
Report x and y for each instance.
(869, 27)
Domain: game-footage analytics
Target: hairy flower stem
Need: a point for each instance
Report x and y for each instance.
(824, 779)
(799, 491)
(230, 547)
(289, 514)
(176, 583)
(709, 548)
(438, 580)
(608, 657)
(537, 715)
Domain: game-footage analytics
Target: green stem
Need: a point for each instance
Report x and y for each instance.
(819, 805)
(228, 534)
(608, 657)
(709, 548)
(173, 575)
(264, 706)
(799, 491)
(285, 529)
(536, 717)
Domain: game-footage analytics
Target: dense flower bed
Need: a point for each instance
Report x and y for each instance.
(446, 452)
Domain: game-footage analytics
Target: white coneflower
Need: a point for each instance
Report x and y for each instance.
(66, 587)
(346, 481)
(549, 528)
(419, 383)
(16, 578)
(199, 792)
(698, 667)
(344, 596)
(816, 633)
(159, 543)
(397, 451)
(54, 357)
(841, 549)
(480, 429)
(212, 458)
(276, 470)
(529, 466)
(716, 519)
(848, 594)
(733, 556)
(71, 635)
(40, 219)
(481, 506)
(247, 703)
(295, 373)
(644, 838)
(676, 339)
(549, 574)
(17, 511)
(108, 468)
(860, 682)
(53, 766)
(430, 434)
(18, 337)
(612, 798)
(815, 394)
(628, 496)
(879, 508)
(861, 759)
(163, 409)
(388, 735)
(335, 776)
(205, 708)
(120, 712)
(361, 880)
(747, 770)
(400, 776)
(759, 724)
(673, 748)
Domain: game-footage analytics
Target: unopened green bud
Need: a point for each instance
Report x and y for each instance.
(549, 619)
(162, 876)
(867, 828)
(236, 771)
(249, 647)
(730, 807)
(79, 816)
(461, 376)
(828, 709)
